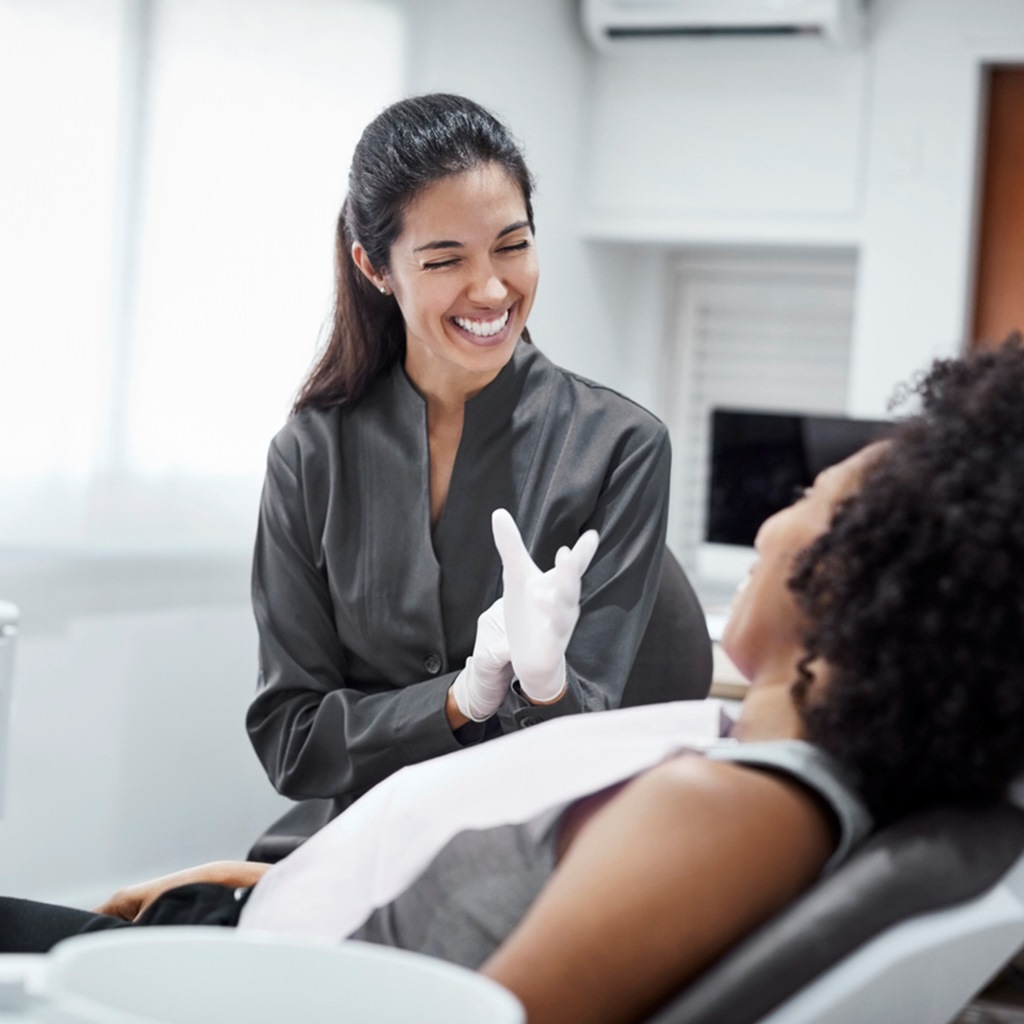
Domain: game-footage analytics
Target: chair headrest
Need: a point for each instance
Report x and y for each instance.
(928, 862)
(1016, 792)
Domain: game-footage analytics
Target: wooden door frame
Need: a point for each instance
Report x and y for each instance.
(985, 56)
(991, 330)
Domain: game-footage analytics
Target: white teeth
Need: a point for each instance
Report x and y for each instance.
(483, 328)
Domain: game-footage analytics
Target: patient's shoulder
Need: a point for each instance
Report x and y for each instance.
(732, 797)
(691, 774)
(673, 870)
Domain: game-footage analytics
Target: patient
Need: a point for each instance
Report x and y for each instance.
(595, 871)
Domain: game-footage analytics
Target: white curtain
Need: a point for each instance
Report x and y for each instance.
(170, 176)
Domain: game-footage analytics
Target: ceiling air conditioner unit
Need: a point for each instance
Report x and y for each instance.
(608, 23)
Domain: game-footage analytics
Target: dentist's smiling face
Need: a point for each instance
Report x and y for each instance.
(464, 274)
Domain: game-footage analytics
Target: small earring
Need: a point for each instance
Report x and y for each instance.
(383, 290)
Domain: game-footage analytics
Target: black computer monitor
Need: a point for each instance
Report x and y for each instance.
(760, 460)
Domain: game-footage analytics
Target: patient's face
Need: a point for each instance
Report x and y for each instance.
(763, 631)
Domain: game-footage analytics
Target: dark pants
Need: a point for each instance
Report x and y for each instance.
(30, 927)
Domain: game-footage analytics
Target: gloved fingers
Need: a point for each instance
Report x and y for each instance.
(554, 600)
(479, 689)
(548, 687)
(493, 618)
(491, 635)
(583, 551)
(493, 653)
(558, 587)
(565, 578)
(569, 568)
(564, 611)
(515, 559)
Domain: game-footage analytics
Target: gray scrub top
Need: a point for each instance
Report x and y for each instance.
(365, 615)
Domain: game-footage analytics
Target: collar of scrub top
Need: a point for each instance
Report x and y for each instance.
(497, 401)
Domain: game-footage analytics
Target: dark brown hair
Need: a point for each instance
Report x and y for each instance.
(915, 596)
(408, 147)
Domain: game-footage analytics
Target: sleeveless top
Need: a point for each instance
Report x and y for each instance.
(448, 858)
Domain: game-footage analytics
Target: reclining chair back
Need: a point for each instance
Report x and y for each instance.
(908, 929)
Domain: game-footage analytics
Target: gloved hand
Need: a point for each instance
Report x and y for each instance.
(541, 608)
(481, 686)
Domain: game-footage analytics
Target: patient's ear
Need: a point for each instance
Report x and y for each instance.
(812, 684)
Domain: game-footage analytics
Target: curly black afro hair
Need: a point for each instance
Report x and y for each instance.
(916, 598)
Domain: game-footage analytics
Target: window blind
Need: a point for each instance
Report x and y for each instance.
(764, 331)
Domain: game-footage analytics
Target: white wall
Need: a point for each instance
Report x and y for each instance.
(925, 120)
(128, 755)
(782, 141)
(694, 131)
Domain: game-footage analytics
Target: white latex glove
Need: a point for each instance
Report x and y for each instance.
(481, 686)
(541, 608)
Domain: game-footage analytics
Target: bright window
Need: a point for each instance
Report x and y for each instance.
(172, 174)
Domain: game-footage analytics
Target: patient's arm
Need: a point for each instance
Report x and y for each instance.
(656, 885)
(130, 902)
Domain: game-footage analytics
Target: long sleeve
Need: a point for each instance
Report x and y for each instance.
(318, 730)
(619, 588)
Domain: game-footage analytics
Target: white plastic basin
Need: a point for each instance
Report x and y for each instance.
(196, 975)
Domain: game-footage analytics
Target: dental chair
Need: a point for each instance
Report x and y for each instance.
(673, 662)
(907, 931)
(8, 635)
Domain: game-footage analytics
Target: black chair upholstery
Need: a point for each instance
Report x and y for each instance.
(673, 662)
(932, 861)
(292, 829)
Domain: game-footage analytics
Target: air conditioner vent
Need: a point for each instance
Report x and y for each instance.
(610, 24)
(699, 31)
